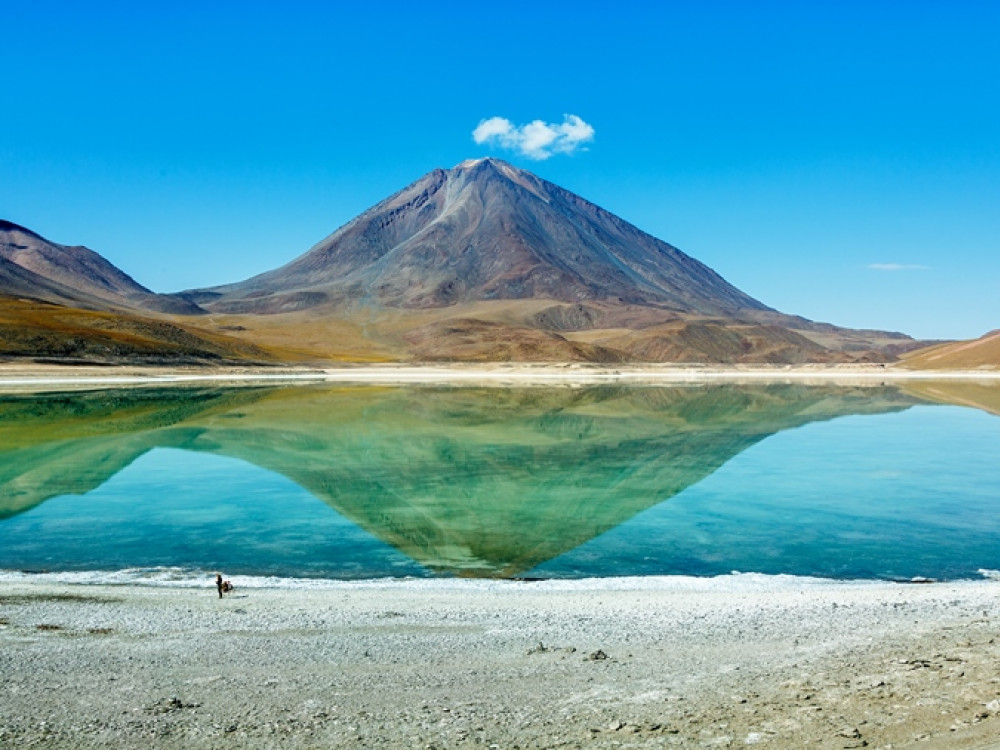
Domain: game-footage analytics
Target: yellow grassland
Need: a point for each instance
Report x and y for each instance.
(982, 353)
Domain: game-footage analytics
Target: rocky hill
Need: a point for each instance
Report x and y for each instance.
(74, 274)
(68, 304)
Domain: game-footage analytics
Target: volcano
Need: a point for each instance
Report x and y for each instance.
(486, 230)
(488, 262)
(483, 262)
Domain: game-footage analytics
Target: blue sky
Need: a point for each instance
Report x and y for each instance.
(836, 160)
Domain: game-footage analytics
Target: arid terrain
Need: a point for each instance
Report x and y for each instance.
(981, 353)
(483, 262)
(729, 662)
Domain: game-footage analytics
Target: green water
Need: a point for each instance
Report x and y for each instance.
(358, 482)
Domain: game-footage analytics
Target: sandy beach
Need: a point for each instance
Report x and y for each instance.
(733, 661)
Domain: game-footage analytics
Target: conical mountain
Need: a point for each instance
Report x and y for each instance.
(486, 230)
(487, 262)
(482, 262)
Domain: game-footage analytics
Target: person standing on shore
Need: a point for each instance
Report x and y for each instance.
(218, 583)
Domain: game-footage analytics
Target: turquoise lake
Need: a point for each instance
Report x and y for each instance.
(876, 482)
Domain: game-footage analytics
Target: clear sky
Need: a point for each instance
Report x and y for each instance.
(837, 160)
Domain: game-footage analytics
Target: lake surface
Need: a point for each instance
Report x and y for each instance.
(367, 482)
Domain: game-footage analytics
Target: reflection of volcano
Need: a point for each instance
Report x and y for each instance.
(466, 481)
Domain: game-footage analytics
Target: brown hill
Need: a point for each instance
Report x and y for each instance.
(43, 331)
(74, 274)
(16, 281)
(979, 354)
(68, 304)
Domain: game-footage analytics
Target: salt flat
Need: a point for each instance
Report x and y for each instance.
(35, 377)
(724, 662)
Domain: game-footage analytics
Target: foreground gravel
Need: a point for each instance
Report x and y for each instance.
(731, 662)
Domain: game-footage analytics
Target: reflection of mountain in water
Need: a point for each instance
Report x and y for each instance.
(468, 481)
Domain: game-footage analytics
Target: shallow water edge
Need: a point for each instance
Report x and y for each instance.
(734, 582)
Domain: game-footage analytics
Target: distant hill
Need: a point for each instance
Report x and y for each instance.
(38, 330)
(16, 281)
(979, 354)
(74, 274)
(68, 304)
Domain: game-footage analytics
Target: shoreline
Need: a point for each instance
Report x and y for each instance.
(741, 581)
(26, 377)
(463, 664)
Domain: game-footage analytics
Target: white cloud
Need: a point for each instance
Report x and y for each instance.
(897, 267)
(537, 139)
(495, 127)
